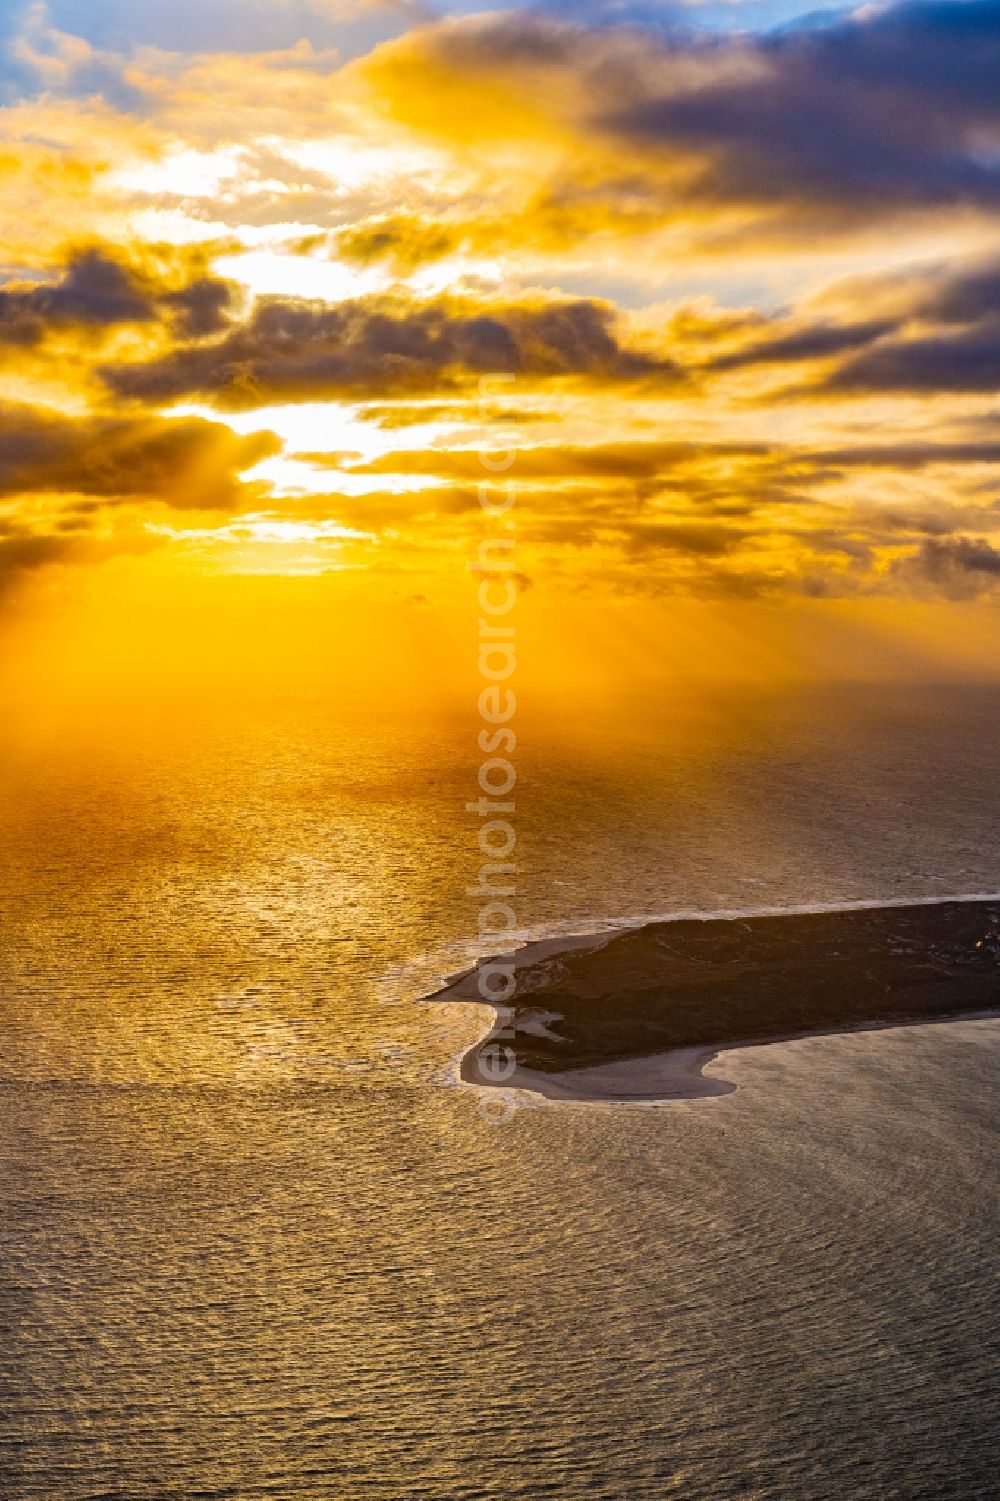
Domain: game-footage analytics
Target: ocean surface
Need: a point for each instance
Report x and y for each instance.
(256, 1241)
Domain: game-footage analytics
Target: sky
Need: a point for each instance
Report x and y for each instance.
(737, 267)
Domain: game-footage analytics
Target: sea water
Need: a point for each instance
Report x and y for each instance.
(257, 1242)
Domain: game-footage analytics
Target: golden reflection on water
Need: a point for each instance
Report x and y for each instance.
(256, 1247)
(232, 900)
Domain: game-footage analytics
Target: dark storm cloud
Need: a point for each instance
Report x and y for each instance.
(295, 350)
(956, 568)
(200, 308)
(966, 298)
(184, 463)
(96, 291)
(944, 335)
(968, 554)
(875, 111)
(885, 109)
(730, 481)
(814, 343)
(904, 456)
(959, 362)
(20, 553)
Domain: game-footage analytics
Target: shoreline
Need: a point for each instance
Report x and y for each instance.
(664, 1075)
(661, 1078)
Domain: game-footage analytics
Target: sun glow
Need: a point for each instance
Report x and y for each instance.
(327, 428)
(249, 317)
(288, 476)
(268, 272)
(182, 172)
(353, 164)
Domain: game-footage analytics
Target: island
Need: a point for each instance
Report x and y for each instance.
(635, 1014)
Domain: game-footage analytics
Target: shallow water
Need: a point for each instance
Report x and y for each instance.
(257, 1244)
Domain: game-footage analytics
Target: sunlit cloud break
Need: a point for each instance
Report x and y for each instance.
(748, 282)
